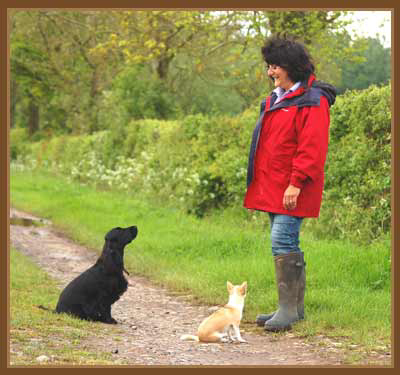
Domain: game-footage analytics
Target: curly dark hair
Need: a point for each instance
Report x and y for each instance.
(290, 55)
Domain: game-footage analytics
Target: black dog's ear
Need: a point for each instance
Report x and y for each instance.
(113, 234)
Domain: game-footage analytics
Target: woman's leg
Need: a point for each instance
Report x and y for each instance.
(289, 269)
(285, 232)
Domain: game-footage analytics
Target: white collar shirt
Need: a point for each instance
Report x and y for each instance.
(281, 93)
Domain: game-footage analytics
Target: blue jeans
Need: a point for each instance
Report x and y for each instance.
(284, 233)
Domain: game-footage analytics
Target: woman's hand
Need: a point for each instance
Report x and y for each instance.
(290, 197)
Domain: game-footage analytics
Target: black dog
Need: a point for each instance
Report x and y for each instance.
(91, 294)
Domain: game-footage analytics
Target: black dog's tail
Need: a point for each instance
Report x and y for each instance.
(46, 308)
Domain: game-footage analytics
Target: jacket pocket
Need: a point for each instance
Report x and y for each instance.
(280, 170)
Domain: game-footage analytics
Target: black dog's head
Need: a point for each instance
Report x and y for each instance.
(113, 251)
(120, 237)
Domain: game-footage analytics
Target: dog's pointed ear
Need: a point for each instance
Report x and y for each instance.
(243, 288)
(229, 285)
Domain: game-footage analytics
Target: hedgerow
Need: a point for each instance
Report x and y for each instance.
(199, 163)
(358, 171)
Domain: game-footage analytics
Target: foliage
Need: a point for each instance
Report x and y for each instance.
(373, 66)
(81, 72)
(199, 162)
(18, 143)
(168, 33)
(358, 176)
(135, 94)
(51, 63)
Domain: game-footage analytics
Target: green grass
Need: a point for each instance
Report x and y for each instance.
(348, 286)
(35, 332)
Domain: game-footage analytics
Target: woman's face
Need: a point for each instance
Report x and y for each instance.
(280, 77)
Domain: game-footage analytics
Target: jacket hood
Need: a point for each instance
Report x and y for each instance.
(327, 90)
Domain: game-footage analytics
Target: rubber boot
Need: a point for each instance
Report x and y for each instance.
(288, 269)
(262, 318)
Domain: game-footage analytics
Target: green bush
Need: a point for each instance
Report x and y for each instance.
(358, 171)
(18, 142)
(135, 94)
(200, 162)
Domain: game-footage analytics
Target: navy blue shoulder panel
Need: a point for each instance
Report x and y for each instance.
(262, 107)
(310, 98)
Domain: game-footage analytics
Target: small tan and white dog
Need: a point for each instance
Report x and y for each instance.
(223, 324)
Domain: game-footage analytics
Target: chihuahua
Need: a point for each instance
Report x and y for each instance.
(223, 324)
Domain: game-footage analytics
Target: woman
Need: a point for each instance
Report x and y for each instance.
(286, 167)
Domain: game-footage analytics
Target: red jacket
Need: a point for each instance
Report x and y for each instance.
(289, 146)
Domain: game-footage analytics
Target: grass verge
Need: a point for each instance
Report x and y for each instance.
(348, 286)
(35, 333)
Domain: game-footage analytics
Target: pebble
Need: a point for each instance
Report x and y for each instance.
(43, 358)
(151, 322)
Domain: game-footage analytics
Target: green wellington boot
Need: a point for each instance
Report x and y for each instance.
(262, 318)
(288, 269)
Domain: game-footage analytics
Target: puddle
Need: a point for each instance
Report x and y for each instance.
(25, 222)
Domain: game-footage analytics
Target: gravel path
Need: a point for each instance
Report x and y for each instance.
(151, 319)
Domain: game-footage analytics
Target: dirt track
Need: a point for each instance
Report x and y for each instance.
(151, 319)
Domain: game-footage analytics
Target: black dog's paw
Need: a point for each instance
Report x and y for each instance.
(112, 321)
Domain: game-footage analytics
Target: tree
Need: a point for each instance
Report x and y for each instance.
(28, 75)
(158, 37)
(373, 66)
(72, 65)
(52, 49)
(304, 24)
